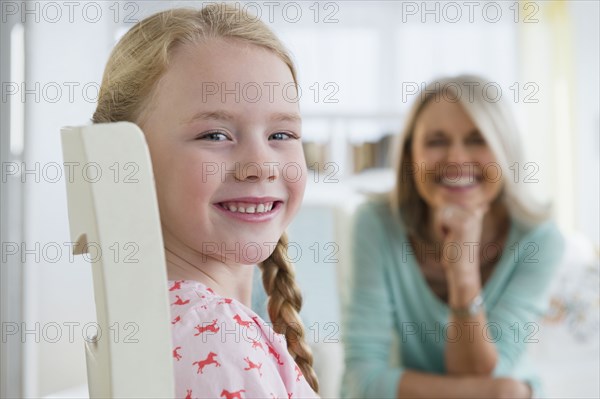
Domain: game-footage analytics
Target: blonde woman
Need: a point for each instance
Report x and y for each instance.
(455, 262)
(219, 154)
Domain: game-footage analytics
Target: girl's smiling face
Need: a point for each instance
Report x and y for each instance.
(223, 129)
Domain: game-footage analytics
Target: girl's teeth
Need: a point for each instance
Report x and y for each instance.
(250, 208)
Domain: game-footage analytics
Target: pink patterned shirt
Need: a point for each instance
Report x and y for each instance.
(222, 349)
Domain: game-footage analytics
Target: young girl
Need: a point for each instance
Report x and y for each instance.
(214, 92)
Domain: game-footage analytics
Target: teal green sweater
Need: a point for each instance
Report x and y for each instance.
(389, 296)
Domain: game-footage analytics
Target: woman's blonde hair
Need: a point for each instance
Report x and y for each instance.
(495, 122)
(131, 75)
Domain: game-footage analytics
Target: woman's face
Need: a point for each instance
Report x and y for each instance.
(454, 164)
(223, 130)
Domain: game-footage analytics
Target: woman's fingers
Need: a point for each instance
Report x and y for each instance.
(459, 222)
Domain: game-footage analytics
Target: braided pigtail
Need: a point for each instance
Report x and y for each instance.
(285, 301)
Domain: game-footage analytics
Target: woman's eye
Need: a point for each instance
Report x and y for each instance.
(213, 136)
(436, 143)
(477, 140)
(281, 136)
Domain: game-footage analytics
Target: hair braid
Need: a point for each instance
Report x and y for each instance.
(285, 301)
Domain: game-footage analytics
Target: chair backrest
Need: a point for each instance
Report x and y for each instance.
(114, 218)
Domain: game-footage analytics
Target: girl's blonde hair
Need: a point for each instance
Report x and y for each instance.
(131, 75)
(496, 124)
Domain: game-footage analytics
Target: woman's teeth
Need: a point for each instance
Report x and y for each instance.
(465, 181)
(242, 207)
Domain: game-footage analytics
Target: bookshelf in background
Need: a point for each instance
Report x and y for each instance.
(369, 155)
(350, 143)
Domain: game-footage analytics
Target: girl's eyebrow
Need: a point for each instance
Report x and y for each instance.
(216, 115)
(227, 116)
(286, 117)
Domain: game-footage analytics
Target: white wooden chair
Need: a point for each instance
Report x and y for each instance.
(113, 215)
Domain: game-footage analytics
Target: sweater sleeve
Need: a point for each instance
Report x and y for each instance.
(368, 314)
(513, 321)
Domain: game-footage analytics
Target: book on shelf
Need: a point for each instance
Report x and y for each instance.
(369, 155)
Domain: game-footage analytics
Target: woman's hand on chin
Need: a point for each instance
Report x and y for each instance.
(456, 223)
(460, 229)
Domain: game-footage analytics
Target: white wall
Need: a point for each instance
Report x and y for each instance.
(60, 292)
(586, 27)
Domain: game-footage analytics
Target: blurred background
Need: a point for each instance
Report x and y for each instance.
(360, 64)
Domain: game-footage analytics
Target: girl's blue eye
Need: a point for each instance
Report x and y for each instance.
(281, 136)
(213, 136)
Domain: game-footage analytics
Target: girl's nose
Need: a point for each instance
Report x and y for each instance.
(256, 165)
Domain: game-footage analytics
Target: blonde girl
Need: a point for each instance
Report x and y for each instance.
(210, 88)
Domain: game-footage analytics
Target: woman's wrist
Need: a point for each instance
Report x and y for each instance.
(469, 310)
(463, 286)
(462, 290)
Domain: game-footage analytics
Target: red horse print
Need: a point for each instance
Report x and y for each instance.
(210, 290)
(176, 354)
(175, 320)
(298, 372)
(243, 323)
(232, 395)
(180, 301)
(252, 365)
(256, 344)
(210, 359)
(212, 327)
(273, 352)
(225, 301)
(176, 285)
